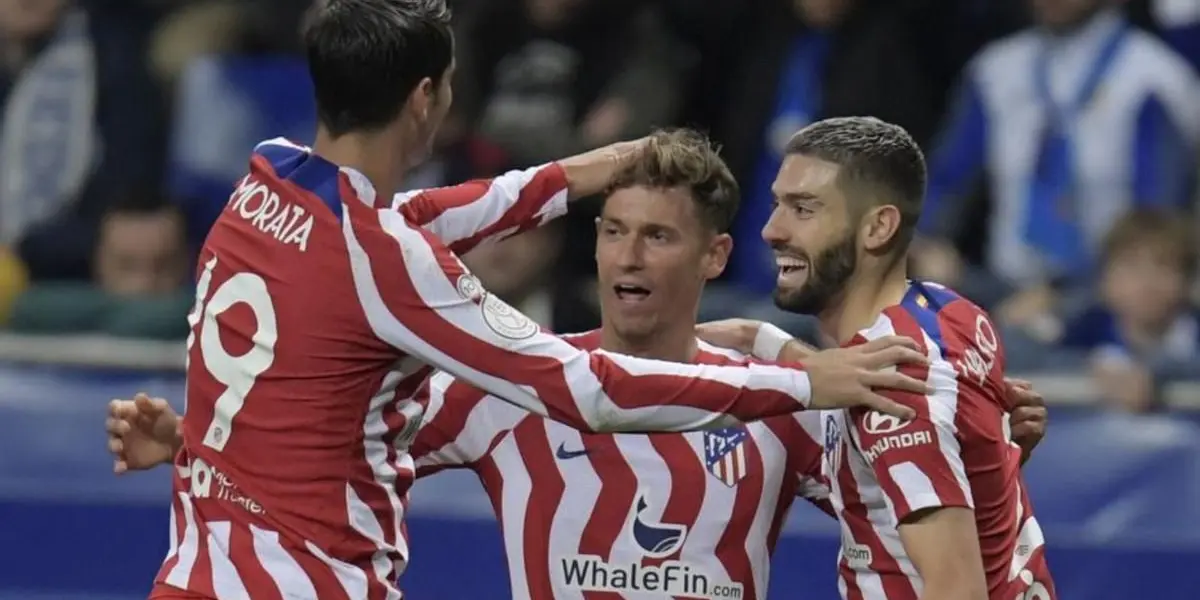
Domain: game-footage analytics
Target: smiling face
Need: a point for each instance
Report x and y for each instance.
(812, 235)
(653, 255)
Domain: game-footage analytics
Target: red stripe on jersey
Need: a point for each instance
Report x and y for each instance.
(687, 476)
(804, 457)
(201, 579)
(731, 549)
(249, 568)
(546, 490)
(618, 492)
(493, 481)
(856, 519)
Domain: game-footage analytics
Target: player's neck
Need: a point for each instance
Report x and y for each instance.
(372, 154)
(677, 345)
(867, 295)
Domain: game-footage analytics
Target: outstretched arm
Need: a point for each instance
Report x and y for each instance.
(465, 215)
(1027, 409)
(419, 298)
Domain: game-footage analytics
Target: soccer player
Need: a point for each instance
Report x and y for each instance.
(692, 515)
(322, 305)
(934, 507)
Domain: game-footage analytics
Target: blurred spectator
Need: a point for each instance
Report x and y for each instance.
(143, 248)
(809, 60)
(520, 270)
(1144, 319)
(547, 78)
(141, 276)
(82, 121)
(1074, 122)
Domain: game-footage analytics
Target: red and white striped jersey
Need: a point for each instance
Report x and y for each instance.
(589, 515)
(956, 453)
(320, 311)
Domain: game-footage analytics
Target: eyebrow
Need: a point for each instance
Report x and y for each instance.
(795, 196)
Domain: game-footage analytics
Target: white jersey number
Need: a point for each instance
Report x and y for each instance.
(236, 373)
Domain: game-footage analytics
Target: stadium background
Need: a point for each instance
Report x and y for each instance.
(94, 259)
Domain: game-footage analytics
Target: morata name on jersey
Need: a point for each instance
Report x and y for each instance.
(262, 208)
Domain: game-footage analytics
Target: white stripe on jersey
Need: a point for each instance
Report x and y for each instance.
(461, 222)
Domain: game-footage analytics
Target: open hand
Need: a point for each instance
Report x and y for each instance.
(142, 433)
(858, 376)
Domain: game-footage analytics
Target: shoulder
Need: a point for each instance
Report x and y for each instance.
(963, 347)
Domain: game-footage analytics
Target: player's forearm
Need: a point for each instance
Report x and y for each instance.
(639, 395)
(592, 172)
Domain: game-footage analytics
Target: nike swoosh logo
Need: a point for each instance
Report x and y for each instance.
(564, 454)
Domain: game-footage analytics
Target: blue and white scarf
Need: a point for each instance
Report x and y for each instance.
(48, 140)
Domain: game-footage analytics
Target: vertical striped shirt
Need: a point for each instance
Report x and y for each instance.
(590, 516)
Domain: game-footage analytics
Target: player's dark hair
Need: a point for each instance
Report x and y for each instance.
(367, 56)
(879, 161)
(685, 158)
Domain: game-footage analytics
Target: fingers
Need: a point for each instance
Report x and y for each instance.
(1019, 384)
(1027, 414)
(889, 341)
(122, 409)
(120, 467)
(892, 356)
(116, 427)
(890, 407)
(895, 381)
(149, 406)
(1025, 397)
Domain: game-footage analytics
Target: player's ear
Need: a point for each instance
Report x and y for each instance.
(422, 99)
(717, 256)
(879, 227)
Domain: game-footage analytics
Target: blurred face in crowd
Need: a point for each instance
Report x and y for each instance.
(822, 13)
(1064, 14)
(514, 267)
(1145, 284)
(142, 254)
(551, 13)
(813, 234)
(653, 255)
(24, 19)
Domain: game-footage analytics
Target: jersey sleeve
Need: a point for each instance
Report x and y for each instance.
(419, 298)
(460, 425)
(805, 453)
(463, 216)
(918, 463)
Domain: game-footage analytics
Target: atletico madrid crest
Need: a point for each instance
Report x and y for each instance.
(725, 454)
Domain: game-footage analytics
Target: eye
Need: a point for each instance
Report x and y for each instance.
(803, 210)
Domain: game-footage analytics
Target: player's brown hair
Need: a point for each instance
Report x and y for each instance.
(878, 161)
(1165, 231)
(685, 158)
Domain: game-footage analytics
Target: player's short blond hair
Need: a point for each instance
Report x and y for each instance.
(685, 158)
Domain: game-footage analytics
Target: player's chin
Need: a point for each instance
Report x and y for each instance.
(794, 299)
(635, 326)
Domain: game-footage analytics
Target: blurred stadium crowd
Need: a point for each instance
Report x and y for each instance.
(1062, 197)
(1061, 172)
